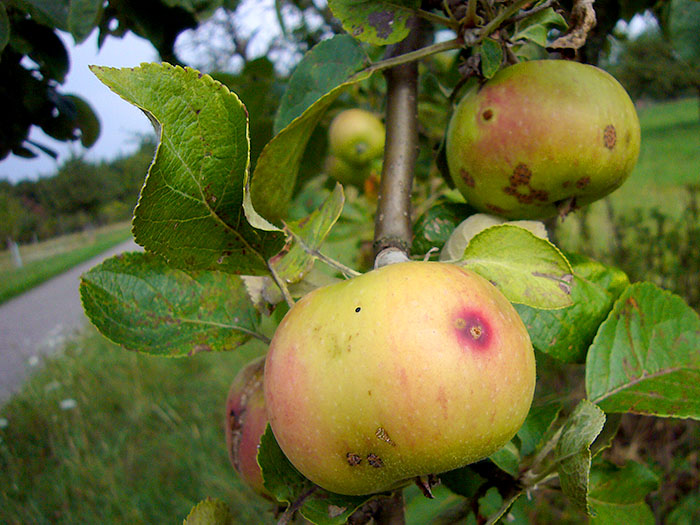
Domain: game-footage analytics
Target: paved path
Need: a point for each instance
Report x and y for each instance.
(37, 322)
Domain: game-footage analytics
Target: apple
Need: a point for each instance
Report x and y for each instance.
(542, 137)
(346, 173)
(411, 369)
(356, 136)
(246, 421)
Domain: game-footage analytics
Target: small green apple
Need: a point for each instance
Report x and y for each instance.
(412, 369)
(246, 421)
(542, 137)
(346, 173)
(356, 136)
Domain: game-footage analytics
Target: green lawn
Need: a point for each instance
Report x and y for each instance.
(143, 442)
(47, 259)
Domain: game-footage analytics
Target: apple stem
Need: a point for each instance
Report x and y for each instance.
(392, 229)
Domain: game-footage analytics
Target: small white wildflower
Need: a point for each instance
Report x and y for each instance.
(4, 422)
(68, 404)
(33, 361)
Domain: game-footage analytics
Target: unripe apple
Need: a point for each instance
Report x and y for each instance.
(356, 136)
(246, 420)
(412, 369)
(346, 173)
(542, 137)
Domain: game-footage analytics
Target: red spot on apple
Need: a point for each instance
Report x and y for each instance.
(473, 331)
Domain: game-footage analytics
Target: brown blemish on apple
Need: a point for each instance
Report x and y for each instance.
(353, 459)
(375, 461)
(521, 175)
(467, 178)
(488, 114)
(609, 136)
(473, 330)
(381, 433)
(495, 209)
(583, 182)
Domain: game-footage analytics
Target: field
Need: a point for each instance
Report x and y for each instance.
(101, 435)
(46, 259)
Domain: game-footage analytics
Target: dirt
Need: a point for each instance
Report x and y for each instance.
(37, 323)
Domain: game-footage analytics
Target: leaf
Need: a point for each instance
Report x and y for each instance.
(83, 16)
(275, 173)
(525, 268)
(537, 425)
(491, 57)
(51, 13)
(86, 120)
(4, 27)
(646, 356)
(376, 22)
(309, 234)
(287, 485)
(436, 224)
(141, 303)
(566, 334)
(210, 511)
(535, 28)
(507, 458)
(573, 454)
(683, 23)
(617, 493)
(190, 209)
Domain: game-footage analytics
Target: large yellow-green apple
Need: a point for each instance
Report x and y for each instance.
(246, 420)
(356, 136)
(411, 369)
(542, 137)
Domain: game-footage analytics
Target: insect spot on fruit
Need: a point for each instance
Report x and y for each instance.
(496, 209)
(357, 310)
(375, 461)
(353, 459)
(583, 182)
(540, 195)
(382, 434)
(609, 136)
(467, 178)
(472, 330)
(487, 115)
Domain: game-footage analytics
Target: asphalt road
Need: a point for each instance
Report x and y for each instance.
(38, 322)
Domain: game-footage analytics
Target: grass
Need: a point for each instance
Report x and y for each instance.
(50, 258)
(143, 443)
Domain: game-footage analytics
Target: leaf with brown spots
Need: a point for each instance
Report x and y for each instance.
(376, 22)
(582, 21)
(141, 303)
(645, 358)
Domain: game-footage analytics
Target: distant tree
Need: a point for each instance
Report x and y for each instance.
(649, 67)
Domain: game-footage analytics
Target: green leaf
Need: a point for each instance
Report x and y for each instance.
(51, 13)
(327, 65)
(537, 425)
(434, 227)
(566, 334)
(573, 454)
(379, 22)
(308, 235)
(275, 173)
(190, 209)
(683, 23)
(4, 27)
(536, 28)
(287, 485)
(646, 356)
(83, 16)
(463, 481)
(617, 494)
(141, 303)
(210, 511)
(507, 458)
(85, 120)
(527, 269)
(491, 57)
